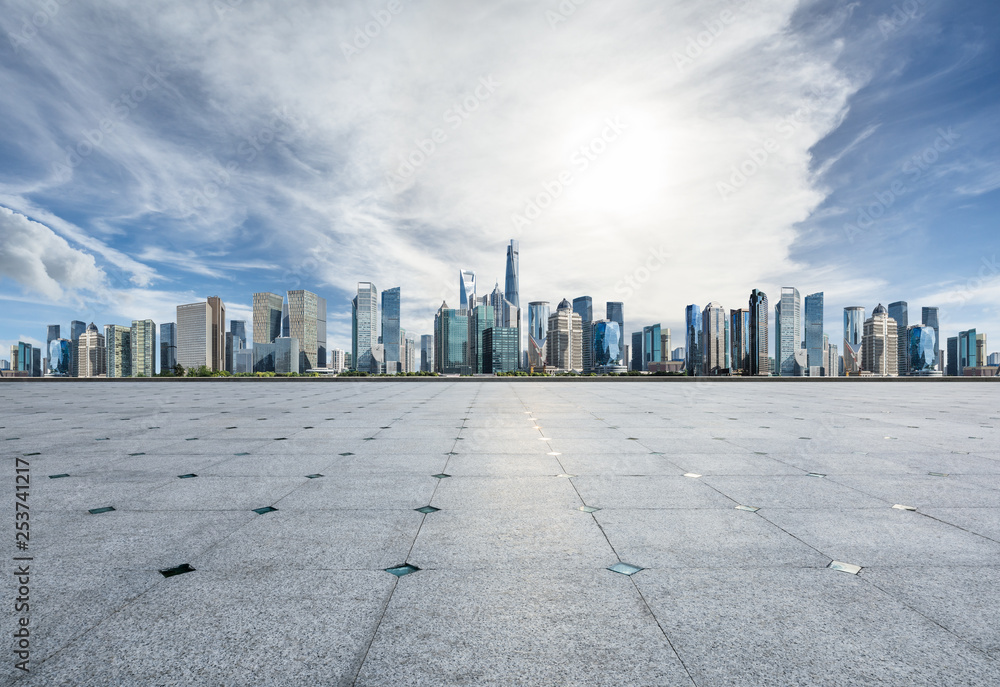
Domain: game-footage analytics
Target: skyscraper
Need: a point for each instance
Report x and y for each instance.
(538, 328)
(303, 312)
(929, 317)
(92, 356)
(899, 312)
(481, 318)
(953, 361)
(52, 335)
(500, 350)
(76, 330)
(142, 337)
(814, 330)
(854, 326)
(451, 341)
(695, 364)
(168, 347)
(787, 330)
(739, 341)
(922, 349)
(760, 360)
(715, 338)
(511, 287)
(59, 358)
(652, 345)
(427, 353)
(564, 343)
(391, 338)
(364, 326)
(236, 341)
(201, 334)
(615, 311)
(267, 308)
(118, 348)
(584, 307)
(635, 352)
(880, 354)
(608, 353)
(467, 289)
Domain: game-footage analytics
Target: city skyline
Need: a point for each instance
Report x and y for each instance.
(881, 145)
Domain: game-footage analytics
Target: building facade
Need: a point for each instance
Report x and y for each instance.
(364, 326)
(715, 339)
(929, 318)
(500, 350)
(739, 341)
(142, 335)
(880, 354)
(608, 354)
(695, 363)
(787, 330)
(168, 347)
(201, 335)
(854, 330)
(427, 353)
(391, 331)
(584, 307)
(538, 328)
(564, 341)
(814, 330)
(118, 348)
(267, 309)
(760, 358)
(922, 351)
(451, 341)
(92, 356)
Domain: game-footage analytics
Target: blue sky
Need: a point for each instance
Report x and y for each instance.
(659, 153)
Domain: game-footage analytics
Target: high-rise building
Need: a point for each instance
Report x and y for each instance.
(584, 307)
(814, 330)
(411, 355)
(391, 337)
(652, 345)
(967, 350)
(512, 287)
(739, 341)
(854, 328)
(899, 311)
(59, 358)
(665, 343)
(695, 363)
(142, 338)
(281, 356)
(236, 341)
(467, 290)
(304, 317)
(832, 362)
(564, 343)
(52, 335)
(118, 348)
(201, 335)
(715, 339)
(364, 326)
(787, 330)
(92, 357)
(980, 350)
(929, 318)
(760, 360)
(76, 330)
(267, 309)
(635, 352)
(36, 361)
(922, 348)
(608, 354)
(426, 353)
(880, 355)
(500, 350)
(679, 353)
(481, 318)
(338, 360)
(993, 360)
(243, 361)
(538, 329)
(451, 341)
(615, 311)
(953, 361)
(168, 347)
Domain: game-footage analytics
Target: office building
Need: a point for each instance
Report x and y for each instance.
(92, 356)
(607, 352)
(236, 340)
(652, 345)
(411, 355)
(76, 330)
(635, 352)
(538, 329)
(993, 360)
(426, 353)
(831, 363)
(584, 307)
(922, 351)
(451, 341)
(481, 318)
(59, 358)
(854, 329)
(715, 339)
(679, 354)
(953, 369)
(168, 347)
(51, 335)
(201, 335)
(267, 311)
(880, 355)
(814, 330)
(391, 337)
(118, 348)
(243, 361)
(500, 350)
(305, 316)
(980, 350)
(338, 360)
(615, 311)
(694, 364)
(142, 337)
(787, 330)
(665, 343)
(929, 318)
(282, 356)
(467, 290)
(739, 341)
(967, 350)
(760, 361)
(899, 311)
(364, 326)
(564, 342)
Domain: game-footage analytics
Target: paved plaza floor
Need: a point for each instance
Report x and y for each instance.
(733, 499)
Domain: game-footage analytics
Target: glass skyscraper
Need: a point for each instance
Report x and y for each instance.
(481, 319)
(693, 341)
(168, 347)
(76, 330)
(615, 311)
(59, 358)
(427, 353)
(739, 341)
(652, 345)
(607, 351)
(467, 290)
(390, 328)
(584, 307)
(922, 351)
(511, 287)
(267, 309)
(143, 344)
(814, 331)
(787, 330)
(635, 352)
(899, 312)
(538, 329)
(760, 360)
(451, 342)
(967, 350)
(929, 318)
(715, 339)
(854, 330)
(364, 326)
(118, 340)
(500, 350)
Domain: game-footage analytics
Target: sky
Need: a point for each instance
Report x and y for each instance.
(655, 152)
